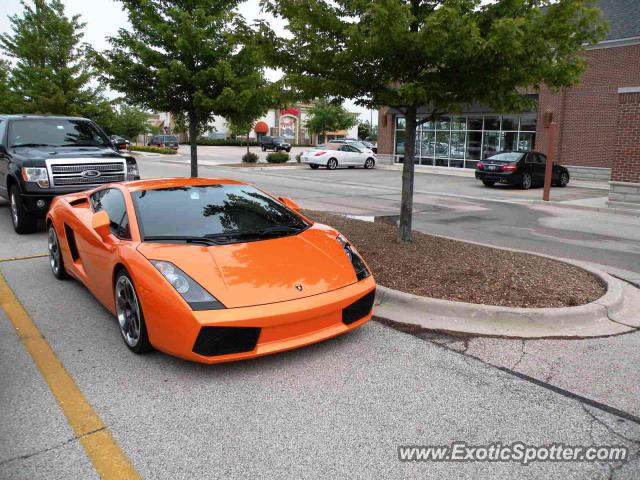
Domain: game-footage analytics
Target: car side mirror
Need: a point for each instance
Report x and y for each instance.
(290, 203)
(101, 224)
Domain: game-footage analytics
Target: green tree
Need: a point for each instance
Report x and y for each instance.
(326, 116)
(130, 122)
(367, 131)
(424, 58)
(50, 74)
(179, 56)
(10, 102)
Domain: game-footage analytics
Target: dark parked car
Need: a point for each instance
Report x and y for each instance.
(164, 141)
(119, 142)
(274, 143)
(520, 168)
(45, 156)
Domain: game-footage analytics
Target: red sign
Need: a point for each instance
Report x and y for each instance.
(290, 111)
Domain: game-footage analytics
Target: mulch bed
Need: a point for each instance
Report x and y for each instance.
(453, 270)
(262, 164)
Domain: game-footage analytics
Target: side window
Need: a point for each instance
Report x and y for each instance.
(3, 128)
(542, 159)
(111, 201)
(532, 158)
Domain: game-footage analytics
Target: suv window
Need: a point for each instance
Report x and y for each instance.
(111, 201)
(3, 127)
(170, 138)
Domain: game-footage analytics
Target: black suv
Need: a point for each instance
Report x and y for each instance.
(164, 141)
(274, 143)
(45, 156)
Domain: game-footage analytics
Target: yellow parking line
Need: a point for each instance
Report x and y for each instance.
(27, 257)
(108, 459)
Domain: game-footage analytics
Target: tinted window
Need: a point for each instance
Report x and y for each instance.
(505, 157)
(278, 139)
(170, 138)
(3, 127)
(111, 201)
(56, 132)
(533, 158)
(210, 210)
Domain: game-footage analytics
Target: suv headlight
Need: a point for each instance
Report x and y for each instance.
(132, 170)
(359, 267)
(192, 293)
(37, 175)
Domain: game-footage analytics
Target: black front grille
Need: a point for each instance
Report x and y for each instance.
(213, 341)
(60, 181)
(81, 167)
(359, 309)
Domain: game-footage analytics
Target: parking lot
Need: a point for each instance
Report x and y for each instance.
(341, 408)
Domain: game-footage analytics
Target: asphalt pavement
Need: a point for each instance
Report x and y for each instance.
(338, 409)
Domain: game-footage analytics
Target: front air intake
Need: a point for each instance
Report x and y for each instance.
(359, 309)
(213, 341)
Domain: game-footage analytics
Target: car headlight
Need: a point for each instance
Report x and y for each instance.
(192, 293)
(132, 170)
(37, 175)
(356, 260)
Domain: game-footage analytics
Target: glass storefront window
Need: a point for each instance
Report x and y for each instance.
(492, 123)
(474, 123)
(400, 136)
(474, 144)
(510, 122)
(442, 144)
(509, 141)
(458, 123)
(443, 123)
(401, 123)
(490, 143)
(457, 144)
(526, 141)
(428, 140)
(528, 123)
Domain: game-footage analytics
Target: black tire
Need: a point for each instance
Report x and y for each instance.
(127, 325)
(23, 222)
(288, 150)
(564, 179)
(55, 255)
(488, 183)
(332, 164)
(264, 149)
(315, 167)
(369, 163)
(526, 181)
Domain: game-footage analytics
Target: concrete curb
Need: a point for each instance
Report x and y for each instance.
(616, 312)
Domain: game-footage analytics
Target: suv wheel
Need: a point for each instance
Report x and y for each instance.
(288, 149)
(264, 149)
(23, 221)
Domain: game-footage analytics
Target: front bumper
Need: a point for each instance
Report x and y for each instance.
(265, 329)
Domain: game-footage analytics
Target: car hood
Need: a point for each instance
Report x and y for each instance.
(265, 271)
(45, 153)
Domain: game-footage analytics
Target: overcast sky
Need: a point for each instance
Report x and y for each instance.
(105, 17)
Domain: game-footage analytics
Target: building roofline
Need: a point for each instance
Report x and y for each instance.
(617, 42)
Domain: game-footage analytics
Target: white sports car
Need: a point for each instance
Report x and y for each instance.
(333, 156)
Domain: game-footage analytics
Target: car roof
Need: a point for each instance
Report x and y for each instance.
(156, 183)
(54, 117)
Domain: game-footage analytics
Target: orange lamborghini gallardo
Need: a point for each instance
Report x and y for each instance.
(209, 270)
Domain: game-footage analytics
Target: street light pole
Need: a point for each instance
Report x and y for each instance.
(548, 171)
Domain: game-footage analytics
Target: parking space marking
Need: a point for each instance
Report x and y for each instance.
(26, 257)
(108, 459)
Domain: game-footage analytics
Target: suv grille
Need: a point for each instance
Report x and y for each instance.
(68, 173)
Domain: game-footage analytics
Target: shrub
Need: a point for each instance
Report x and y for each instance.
(225, 142)
(146, 148)
(250, 157)
(278, 157)
(298, 159)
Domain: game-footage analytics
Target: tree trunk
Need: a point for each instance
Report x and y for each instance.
(193, 134)
(248, 132)
(408, 169)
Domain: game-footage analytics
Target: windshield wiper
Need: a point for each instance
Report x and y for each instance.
(33, 145)
(84, 145)
(186, 239)
(262, 233)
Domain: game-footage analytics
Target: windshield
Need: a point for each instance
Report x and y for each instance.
(170, 138)
(278, 139)
(54, 132)
(358, 145)
(505, 157)
(213, 210)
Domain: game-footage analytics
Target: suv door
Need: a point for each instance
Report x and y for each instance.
(4, 159)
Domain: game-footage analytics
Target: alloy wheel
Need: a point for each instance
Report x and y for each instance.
(526, 181)
(564, 180)
(332, 164)
(54, 251)
(14, 210)
(368, 163)
(128, 310)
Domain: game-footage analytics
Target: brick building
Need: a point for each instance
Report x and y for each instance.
(598, 119)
